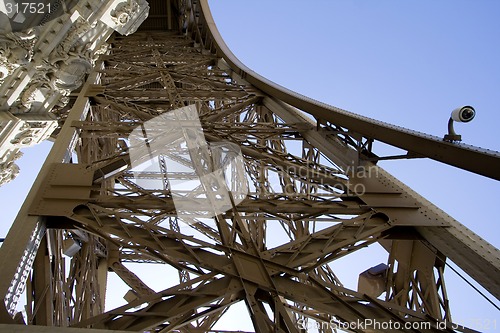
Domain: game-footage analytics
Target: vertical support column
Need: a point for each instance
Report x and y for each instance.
(22, 242)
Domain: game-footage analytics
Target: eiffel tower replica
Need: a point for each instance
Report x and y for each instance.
(176, 160)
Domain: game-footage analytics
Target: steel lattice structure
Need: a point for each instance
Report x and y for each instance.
(312, 177)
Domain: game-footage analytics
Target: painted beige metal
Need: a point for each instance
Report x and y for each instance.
(19, 247)
(302, 175)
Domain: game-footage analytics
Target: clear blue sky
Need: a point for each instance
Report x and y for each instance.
(404, 62)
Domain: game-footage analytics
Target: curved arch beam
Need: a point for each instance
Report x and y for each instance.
(478, 160)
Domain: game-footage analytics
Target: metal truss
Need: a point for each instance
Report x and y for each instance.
(313, 188)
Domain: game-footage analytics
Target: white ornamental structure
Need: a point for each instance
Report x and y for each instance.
(45, 57)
